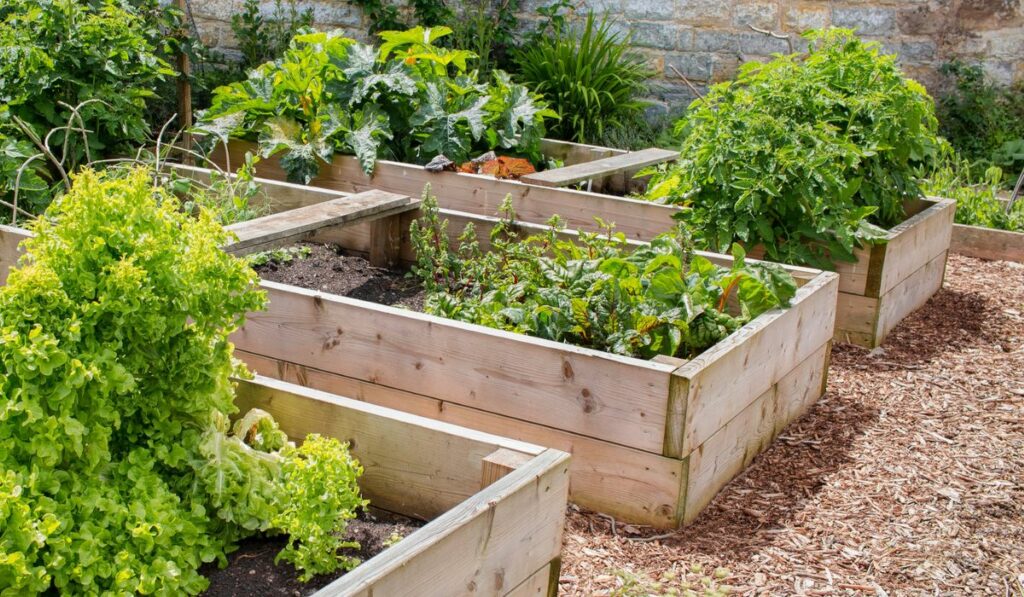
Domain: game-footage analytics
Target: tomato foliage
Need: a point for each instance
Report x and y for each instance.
(119, 472)
(809, 155)
(597, 291)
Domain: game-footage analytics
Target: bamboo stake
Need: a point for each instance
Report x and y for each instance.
(184, 85)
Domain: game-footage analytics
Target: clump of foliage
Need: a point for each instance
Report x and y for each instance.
(983, 121)
(262, 38)
(977, 197)
(55, 56)
(589, 75)
(119, 470)
(599, 292)
(808, 155)
(408, 100)
(280, 255)
(488, 29)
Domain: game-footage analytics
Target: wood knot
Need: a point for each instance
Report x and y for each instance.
(567, 371)
(586, 399)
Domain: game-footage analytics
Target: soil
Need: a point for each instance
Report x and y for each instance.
(906, 478)
(251, 570)
(333, 270)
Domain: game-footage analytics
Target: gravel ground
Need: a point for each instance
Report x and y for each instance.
(906, 478)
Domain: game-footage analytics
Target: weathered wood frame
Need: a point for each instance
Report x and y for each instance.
(890, 279)
(987, 243)
(653, 441)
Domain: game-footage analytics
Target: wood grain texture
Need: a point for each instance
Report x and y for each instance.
(542, 583)
(10, 248)
(909, 295)
(589, 392)
(627, 483)
(917, 241)
(572, 174)
(987, 243)
(486, 545)
(288, 227)
(499, 463)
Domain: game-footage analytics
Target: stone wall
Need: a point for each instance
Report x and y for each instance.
(705, 40)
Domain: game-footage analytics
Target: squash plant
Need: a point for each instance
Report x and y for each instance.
(658, 298)
(808, 155)
(408, 100)
(120, 472)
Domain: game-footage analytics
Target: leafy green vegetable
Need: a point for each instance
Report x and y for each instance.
(118, 471)
(658, 298)
(410, 100)
(977, 198)
(807, 155)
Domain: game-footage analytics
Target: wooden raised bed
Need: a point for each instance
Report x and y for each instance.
(889, 281)
(652, 441)
(496, 506)
(987, 243)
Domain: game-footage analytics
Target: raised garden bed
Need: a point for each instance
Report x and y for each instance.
(987, 243)
(889, 281)
(653, 441)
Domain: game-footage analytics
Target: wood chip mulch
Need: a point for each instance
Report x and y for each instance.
(907, 477)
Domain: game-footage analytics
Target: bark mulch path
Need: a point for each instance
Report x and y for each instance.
(907, 478)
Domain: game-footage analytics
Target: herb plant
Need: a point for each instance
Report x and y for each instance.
(808, 155)
(409, 100)
(590, 76)
(120, 472)
(599, 292)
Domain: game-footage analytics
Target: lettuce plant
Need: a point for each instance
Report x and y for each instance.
(119, 473)
(599, 292)
(809, 155)
(408, 100)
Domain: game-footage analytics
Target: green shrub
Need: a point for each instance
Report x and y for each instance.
(589, 76)
(599, 292)
(57, 55)
(263, 38)
(120, 474)
(982, 120)
(807, 155)
(977, 196)
(409, 100)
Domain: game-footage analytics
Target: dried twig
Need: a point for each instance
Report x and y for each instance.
(687, 81)
(789, 40)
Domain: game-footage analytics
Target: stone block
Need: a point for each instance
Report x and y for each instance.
(695, 66)
(662, 36)
(801, 18)
(704, 13)
(652, 10)
(867, 20)
(760, 44)
(709, 40)
(762, 15)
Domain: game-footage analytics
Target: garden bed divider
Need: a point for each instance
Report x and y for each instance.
(889, 281)
(987, 243)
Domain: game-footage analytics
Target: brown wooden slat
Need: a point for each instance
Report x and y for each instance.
(563, 177)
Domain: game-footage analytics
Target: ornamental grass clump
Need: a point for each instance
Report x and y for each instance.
(597, 291)
(808, 156)
(120, 471)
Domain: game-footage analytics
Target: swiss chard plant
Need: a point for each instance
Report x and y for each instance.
(120, 471)
(408, 100)
(809, 155)
(597, 291)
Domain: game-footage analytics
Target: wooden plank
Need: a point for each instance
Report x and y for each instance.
(432, 469)
(575, 153)
(499, 463)
(732, 448)
(459, 552)
(917, 241)
(273, 196)
(627, 483)
(909, 296)
(480, 194)
(987, 243)
(589, 392)
(386, 241)
(856, 314)
(723, 380)
(10, 248)
(287, 227)
(568, 175)
(542, 583)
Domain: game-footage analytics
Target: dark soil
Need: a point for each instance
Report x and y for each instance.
(334, 270)
(251, 569)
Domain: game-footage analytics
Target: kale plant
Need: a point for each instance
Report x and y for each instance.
(597, 292)
(120, 472)
(808, 155)
(408, 100)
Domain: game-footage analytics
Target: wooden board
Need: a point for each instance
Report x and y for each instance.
(631, 161)
(487, 544)
(273, 195)
(910, 295)
(589, 392)
(987, 243)
(720, 383)
(287, 227)
(627, 483)
(914, 243)
(542, 583)
(10, 250)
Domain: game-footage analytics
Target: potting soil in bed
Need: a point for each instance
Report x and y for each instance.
(333, 270)
(251, 570)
